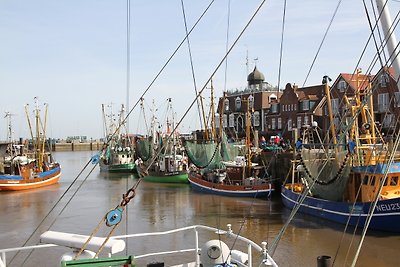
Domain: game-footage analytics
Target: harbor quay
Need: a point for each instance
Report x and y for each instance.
(73, 146)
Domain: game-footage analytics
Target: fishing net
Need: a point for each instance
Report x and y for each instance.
(204, 155)
(144, 148)
(330, 171)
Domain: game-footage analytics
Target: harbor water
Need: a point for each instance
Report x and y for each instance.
(160, 207)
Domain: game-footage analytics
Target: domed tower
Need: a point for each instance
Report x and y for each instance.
(255, 77)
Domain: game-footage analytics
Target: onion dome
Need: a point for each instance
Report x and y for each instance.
(255, 77)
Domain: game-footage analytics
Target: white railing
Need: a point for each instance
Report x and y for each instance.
(266, 258)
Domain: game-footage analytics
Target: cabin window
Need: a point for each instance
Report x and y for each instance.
(394, 181)
(365, 180)
(386, 181)
(372, 180)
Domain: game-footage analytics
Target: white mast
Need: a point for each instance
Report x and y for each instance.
(388, 31)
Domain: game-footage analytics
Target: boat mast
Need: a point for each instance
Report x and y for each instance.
(248, 140)
(10, 132)
(388, 31)
(330, 112)
(43, 139)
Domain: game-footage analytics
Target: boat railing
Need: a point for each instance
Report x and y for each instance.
(251, 245)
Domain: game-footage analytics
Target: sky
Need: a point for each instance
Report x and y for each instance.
(73, 55)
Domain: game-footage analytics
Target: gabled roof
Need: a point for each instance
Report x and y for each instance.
(309, 93)
(354, 83)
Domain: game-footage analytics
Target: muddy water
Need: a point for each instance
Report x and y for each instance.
(159, 207)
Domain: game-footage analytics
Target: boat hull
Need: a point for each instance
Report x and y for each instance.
(118, 168)
(386, 216)
(46, 178)
(201, 185)
(159, 177)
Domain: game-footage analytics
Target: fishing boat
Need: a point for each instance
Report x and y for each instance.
(352, 176)
(28, 166)
(118, 154)
(228, 169)
(162, 158)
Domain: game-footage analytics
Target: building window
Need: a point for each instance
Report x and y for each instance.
(256, 118)
(226, 104)
(239, 124)
(273, 125)
(274, 108)
(238, 103)
(305, 105)
(251, 102)
(216, 120)
(225, 121)
(397, 99)
(289, 125)
(298, 122)
(342, 86)
(383, 102)
(306, 121)
(383, 79)
(279, 123)
(335, 105)
(388, 121)
(231, 120)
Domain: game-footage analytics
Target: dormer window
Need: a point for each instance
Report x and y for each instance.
(383, 79)
(226, 105)
(238, 103)
(342, 86)
(272, 98)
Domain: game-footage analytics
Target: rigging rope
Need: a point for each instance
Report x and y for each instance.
(199, 105)
(322, 41)
(281, 49)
